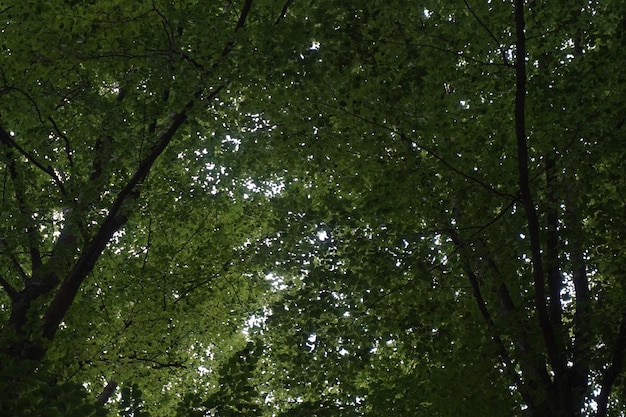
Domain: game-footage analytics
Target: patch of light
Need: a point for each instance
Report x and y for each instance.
(311, 342)
(233, 141)
(257, 320)
(276, 281)
(267, 188)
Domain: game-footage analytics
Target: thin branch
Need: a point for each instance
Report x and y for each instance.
(11, 292)
(613, 371)
(283, 12)
(583, 333)
(441, 264)
(148, 244)
(32, 101)
(447, 51)
(484, 26)
(555, 283)
(481, 228)
(555, 354)
(160, 365)
(468, 177)
(16, 263)
(243, 16)
(245, 11)
(19, 190)
(7, 139)
(113, 339)
(172, 50)
(167, 26)
(404, 137)
(534, 376)
(508, 361)
(455, 52)
(68, 149)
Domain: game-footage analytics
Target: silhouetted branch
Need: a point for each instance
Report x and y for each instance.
(11, 292)
(531, 373)
(107, 392)
(245, 11)
(16, 263)
(19, 189)
(555, 354)
(491, 34)
(68, 149)
(283, 12)
(612, 372)
(555, 284)
(116, 218)
(8, 140)
(457, 171)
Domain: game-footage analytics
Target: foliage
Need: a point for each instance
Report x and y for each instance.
(456, 182)
(234, 393)
(118, 200)
(131, 404)
(313, 208)
(38, 394)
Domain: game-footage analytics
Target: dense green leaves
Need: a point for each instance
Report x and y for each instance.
(312, 208)
(39, 394)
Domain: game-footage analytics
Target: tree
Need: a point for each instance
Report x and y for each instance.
(407, 208)
(122, 227)
(458, 218)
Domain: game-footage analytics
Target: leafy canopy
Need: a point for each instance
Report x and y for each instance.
(312, 208)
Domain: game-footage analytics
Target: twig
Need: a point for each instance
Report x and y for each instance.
(63, 136)
(452, 168)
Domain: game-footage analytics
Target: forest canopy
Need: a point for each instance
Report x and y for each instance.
(312, 208)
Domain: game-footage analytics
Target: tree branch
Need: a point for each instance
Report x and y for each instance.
(8, 140)
(66, 141)
(612, 372)
(243, 16)
(155, 364)
(107, 392)
(555, 355)
(19, 188)
(283, 12)
(245, 11)
(457, 171)
(16, 263)
(481, 303)
(116, 218)
(555, 283)
(491, 34)
(11, 292)
(583, 334)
